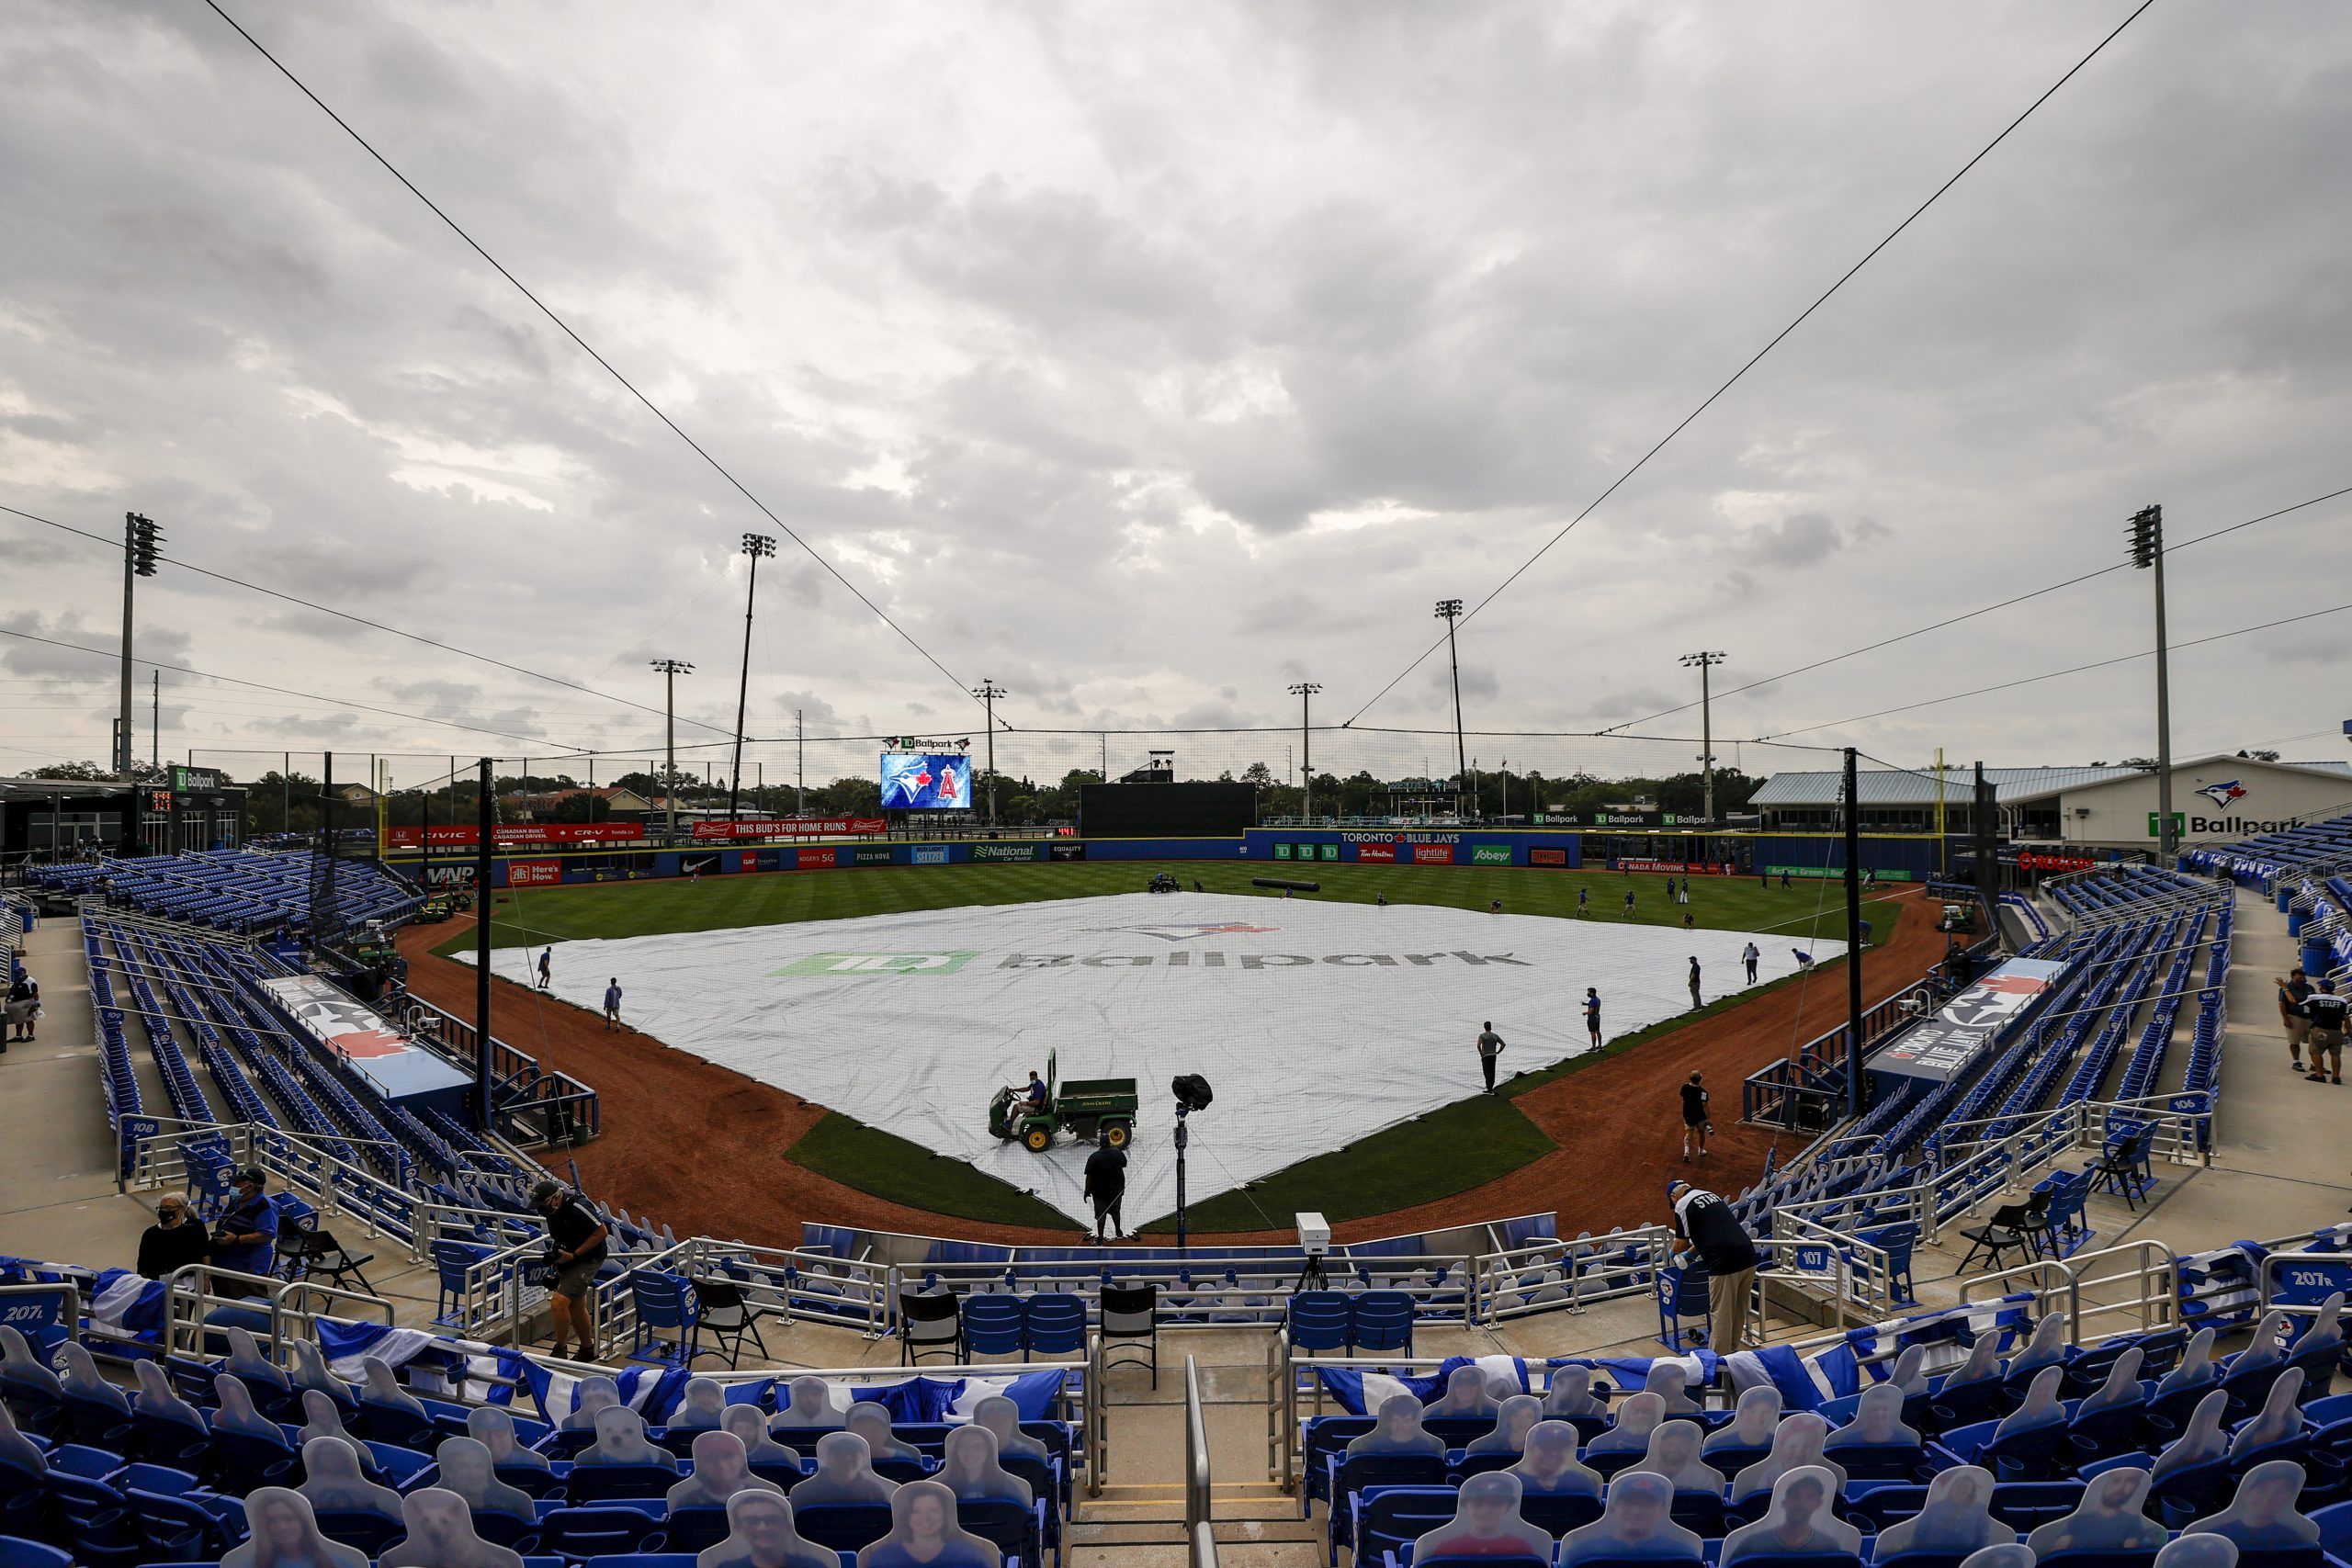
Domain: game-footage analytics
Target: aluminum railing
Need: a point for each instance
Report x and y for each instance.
(1564, 1276)
(2142, 1282)
(300, 1164)
(1205, 1290)
(1198, 1494)
(1859, 1274)
(193, 1293)
(812, 1287)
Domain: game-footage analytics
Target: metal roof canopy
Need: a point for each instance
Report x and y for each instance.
(2011, 786)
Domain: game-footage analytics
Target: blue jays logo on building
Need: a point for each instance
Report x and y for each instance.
(2223, 793)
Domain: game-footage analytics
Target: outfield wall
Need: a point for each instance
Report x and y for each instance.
(1900, 857)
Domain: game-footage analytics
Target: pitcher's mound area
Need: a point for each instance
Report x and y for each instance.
(1315, 1023)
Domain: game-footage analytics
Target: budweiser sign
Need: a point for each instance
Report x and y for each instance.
(792, 827)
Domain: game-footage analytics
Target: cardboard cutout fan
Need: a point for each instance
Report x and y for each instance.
(1798, 1522)
(286, 1534)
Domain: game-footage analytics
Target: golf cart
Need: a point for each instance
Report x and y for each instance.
(1959, 918)
(1088, 1109)
(1162, 882)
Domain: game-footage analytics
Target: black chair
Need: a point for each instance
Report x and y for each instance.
(929, 1325)
(720, 1307)
(2012, 1228)
(1131, 1317)
(314, 1250)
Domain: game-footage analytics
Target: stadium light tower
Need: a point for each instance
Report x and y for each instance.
(139, 542)
(1304, 691)
(671, 669)
(1448, 611)
(988, 691)
(754, 545)
(1706, 662)
(2148, 551)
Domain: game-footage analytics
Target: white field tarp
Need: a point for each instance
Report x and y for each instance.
(1315, 1023)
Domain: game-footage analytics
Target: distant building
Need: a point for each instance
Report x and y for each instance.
(611, 801)
(2218, 798)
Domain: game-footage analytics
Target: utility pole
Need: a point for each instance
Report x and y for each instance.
(482, 903)
(1304, 691)
(139, 542)
(1706, 662)
(754, 545)
(155, 719)
(988, 691)
(671, 669)
(799, 762)
(1448, 611)
(2147, 551)
(1853, 940)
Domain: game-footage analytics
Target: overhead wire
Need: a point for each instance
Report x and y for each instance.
(351, 615)
(265, 686)
(1972, 614)
(2054, 674)
(1757, 357)
(565, 327)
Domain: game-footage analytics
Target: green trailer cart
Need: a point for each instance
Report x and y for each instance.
(1088, 1109)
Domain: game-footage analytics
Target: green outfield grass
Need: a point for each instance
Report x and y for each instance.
(535, 915)
(1480, 1138)
(888, 1165)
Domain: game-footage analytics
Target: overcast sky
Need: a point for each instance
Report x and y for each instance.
(1149, 358)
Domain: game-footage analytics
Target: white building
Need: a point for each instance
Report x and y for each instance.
(2215, 799)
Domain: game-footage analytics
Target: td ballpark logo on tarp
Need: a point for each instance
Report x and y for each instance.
(878, 963)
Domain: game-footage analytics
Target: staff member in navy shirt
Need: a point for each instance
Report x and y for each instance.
(1726, 1251)
(245, 1237)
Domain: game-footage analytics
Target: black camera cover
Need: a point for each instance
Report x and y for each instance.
(1191, 1091)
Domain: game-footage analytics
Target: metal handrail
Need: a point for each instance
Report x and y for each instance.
(813, 1287)
(1198, 1498)
(1563, 1275)
(1260, 1293)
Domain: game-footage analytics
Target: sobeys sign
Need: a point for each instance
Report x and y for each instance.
(1491, 855)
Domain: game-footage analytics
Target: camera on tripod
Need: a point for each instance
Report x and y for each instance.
(1192, 1094)
(1314, 1240)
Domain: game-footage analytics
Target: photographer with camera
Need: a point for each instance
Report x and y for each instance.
(576, 1238)
(245, 1237)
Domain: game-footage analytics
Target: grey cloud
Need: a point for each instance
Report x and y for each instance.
(1058, 338)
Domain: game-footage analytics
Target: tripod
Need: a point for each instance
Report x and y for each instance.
(1312, 1277)
(1184, 1139)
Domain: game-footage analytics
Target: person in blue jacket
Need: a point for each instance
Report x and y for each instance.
(245, 1237)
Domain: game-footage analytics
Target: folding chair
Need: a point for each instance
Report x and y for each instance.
(2013, 1227)
(1131, 1317)
(720, 1307)
(324, 1255)
(927, 1325)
